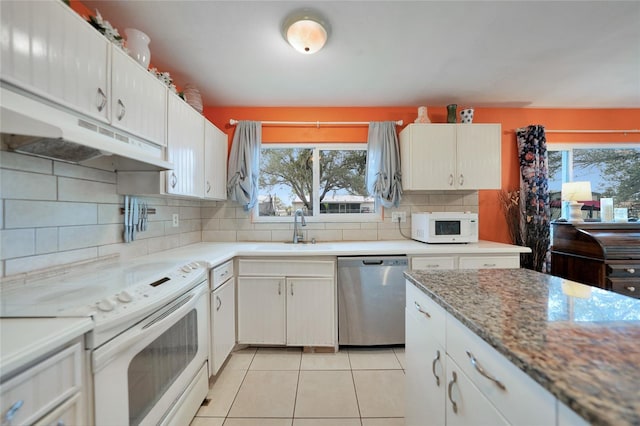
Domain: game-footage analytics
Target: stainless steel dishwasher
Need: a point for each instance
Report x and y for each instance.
(371, 299)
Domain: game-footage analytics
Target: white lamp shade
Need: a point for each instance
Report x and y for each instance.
(576, 191)
(306, 31)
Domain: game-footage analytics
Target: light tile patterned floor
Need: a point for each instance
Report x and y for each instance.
(285, 387)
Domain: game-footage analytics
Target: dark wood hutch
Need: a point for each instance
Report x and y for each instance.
(605, 255)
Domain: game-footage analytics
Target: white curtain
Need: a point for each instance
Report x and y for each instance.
(384, 180)
(244, 164)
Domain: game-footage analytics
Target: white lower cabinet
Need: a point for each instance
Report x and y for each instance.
(481, 386)
(50, 392)
(466, 261)
(296, 306)
(223, 324)
(466, 405)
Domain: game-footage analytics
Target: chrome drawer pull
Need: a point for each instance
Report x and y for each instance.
(480, 370)
(450, 180)
(422, 311)
(631, 288)
(11, 412)
(433, 368)
(123, 110)
(454, 405)
(489, 265)
(103, 103)
(461, 180)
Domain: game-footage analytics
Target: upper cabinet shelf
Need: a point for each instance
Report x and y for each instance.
(451, 156)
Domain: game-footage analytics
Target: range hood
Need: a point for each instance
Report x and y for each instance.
(33, 126)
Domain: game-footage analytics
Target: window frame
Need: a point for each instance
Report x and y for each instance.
(376, 216)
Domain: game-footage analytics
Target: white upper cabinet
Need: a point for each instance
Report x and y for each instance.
(139, 100)
(185, 149)
(215, 162)
(451, 156)
(47, 49)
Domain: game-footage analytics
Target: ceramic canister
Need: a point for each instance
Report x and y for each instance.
(466, 115)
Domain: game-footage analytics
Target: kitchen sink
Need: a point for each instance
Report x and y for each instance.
(289, 246)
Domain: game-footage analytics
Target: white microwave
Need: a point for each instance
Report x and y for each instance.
(444, 227)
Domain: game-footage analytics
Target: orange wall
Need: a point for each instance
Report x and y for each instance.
(492, 225)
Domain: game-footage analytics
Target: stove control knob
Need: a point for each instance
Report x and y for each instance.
(105, 305)
(194, 265)
(186, 268)
(124, 296)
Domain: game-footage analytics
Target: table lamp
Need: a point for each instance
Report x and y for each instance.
(574, 192)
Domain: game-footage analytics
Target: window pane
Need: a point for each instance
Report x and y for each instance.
(286, 181)
(612, 173)
(342, 186)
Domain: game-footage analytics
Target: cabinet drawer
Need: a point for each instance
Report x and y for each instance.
(489, 262)
(433, 262)
(626, 286)
(44, 386)
(286, 268)
(429, 314)
(221, 273)
(522, 401)
(69, 413)
(623, 270)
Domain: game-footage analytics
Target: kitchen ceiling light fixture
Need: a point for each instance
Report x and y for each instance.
(306, 31)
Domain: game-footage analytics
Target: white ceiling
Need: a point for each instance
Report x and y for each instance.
(397, 53)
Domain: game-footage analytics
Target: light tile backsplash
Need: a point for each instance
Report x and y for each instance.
(54, 213)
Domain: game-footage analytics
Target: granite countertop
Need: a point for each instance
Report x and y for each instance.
(579, 342)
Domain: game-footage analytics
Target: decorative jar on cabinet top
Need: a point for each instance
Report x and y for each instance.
(138, 45)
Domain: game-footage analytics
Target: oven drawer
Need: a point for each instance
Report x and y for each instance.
(626, 286)
(221, 273)
(44, 386)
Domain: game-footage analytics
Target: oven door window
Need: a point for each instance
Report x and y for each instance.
(156, 367)
(447, 227)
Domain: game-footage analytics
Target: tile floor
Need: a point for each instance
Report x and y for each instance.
(285, 387)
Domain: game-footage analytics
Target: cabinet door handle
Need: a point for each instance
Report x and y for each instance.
(433, 368)
(422, 311)
(291, 288)
(174, 180)
(454, 405)
(482, 372)
(631, 288)
(279, 287)
(461, 180)
(11, 412)
(489, 265)
(451, 180)
(103, 100)
(219, 303)
(630, 270)
(123, 110)
(208, 187)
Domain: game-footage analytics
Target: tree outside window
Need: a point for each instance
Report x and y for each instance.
(322, 180)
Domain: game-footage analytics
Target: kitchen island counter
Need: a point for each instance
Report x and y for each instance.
(578, 342)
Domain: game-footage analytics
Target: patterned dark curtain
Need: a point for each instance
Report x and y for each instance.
(534, 199)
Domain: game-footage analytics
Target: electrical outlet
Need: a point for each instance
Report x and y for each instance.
(398, 216)
(176, 220)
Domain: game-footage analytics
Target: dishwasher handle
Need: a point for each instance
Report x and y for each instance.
(372, 262)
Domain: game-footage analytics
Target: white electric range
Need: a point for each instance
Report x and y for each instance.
(149, 345)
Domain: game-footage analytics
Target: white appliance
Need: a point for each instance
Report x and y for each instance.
(150, 342)
(445, 227)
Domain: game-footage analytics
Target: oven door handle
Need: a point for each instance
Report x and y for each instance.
(151, 326)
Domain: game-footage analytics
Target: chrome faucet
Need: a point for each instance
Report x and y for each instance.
(298, 237)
